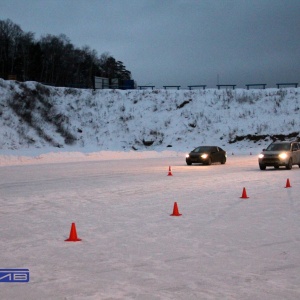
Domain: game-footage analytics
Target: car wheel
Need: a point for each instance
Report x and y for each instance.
(208, 161)
(223, 160)
(289, 165)
(188, 163)
(262, 167)
(299, 165)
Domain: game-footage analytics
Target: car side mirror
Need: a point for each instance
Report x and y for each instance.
(264, 149)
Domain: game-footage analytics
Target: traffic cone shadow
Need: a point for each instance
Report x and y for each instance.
(175, 211)
(244, 194)
(73, 234)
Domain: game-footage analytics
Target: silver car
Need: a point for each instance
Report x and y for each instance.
(279, 154)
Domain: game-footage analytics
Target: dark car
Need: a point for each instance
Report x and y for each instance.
(279, 154)
(206, 155)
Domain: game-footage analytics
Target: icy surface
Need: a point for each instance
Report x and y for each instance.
(222, 247)
(117, 192)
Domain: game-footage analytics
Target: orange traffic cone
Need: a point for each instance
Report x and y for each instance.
(288, 185)
(73, 235)
(170, 171)
(175, 211)
(244, 194)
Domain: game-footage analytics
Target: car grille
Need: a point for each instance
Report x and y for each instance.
(195, 159)
(271, 156)
(271, 159)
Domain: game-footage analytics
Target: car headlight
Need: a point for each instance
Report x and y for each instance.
(260, 155)
(204, 155)
(187, 156)
(282, 155)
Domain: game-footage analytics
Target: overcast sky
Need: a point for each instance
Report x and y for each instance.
(177, 42)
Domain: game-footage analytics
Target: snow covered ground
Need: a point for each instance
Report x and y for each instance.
(80, 156)
(36, 119)
(222, 247)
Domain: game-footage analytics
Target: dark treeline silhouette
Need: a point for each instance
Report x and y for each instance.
(52, 59)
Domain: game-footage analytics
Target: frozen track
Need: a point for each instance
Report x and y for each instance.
(222, 247)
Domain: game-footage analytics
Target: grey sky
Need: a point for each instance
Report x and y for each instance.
(177, 42)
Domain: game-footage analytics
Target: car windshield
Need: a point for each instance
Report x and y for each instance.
(279, 147)
(202, 149)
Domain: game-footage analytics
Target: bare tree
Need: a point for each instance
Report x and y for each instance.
(10, 38)
(53, 59)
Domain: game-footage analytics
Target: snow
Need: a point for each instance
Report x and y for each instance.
(222, 247)
(35, 119)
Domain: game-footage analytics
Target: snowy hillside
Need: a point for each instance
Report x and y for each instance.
(34, 116)
(63, 145)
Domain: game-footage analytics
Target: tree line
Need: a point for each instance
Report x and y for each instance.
(52, 59)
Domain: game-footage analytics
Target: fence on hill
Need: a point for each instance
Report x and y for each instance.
(220, 86)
